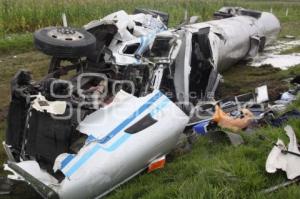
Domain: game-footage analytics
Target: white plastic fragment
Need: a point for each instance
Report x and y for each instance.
(285, 161)
(262, 94)
(41, 104)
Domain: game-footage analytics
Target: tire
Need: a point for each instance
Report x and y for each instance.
(64, 42)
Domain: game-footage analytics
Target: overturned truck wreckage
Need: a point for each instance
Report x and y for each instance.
(130, 89)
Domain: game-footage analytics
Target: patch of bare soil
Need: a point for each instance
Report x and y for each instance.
(242, 79)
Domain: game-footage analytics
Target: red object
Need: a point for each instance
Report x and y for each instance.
(157, 164)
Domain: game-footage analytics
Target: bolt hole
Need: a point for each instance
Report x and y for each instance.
(54, 36)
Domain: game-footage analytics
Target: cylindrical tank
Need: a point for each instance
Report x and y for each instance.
(270, 26)
(234, 36)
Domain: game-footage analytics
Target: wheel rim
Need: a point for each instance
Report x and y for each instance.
(65, 34)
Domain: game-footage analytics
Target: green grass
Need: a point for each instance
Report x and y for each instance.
(16, 43)
(23, 16)
(242, 79)
(28, 15)
(296, 49)
(34, 61)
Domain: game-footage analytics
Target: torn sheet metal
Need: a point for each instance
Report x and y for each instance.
(135, 32)
(123, 139)
(33, 168)
(285, 158)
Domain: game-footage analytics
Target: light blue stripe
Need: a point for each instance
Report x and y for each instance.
(90, 138)
(118, 143)
(67, 160)
(121, 126)
(84, 158)
(145, 42)
(161, 105)
(97, 147)
(142, 46)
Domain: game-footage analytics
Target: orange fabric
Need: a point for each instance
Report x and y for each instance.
(234, 124)
(159, 164)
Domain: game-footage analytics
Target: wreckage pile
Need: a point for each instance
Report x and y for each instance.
(246, 116)
(138, 88)
(249, 110)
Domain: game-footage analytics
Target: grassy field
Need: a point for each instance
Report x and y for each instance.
(210, 170)
(18, 18)
(28, 15)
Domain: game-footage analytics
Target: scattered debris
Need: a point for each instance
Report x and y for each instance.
(41, 104)
(262, 94)
(234, 124)
(286, 98)
(283, 118)
(284, 184)
(159, 163)
(201, 127)
(286, 159)
(296, 80)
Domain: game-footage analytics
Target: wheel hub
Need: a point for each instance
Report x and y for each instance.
(65, 34)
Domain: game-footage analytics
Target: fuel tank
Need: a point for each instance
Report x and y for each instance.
(239, 34)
